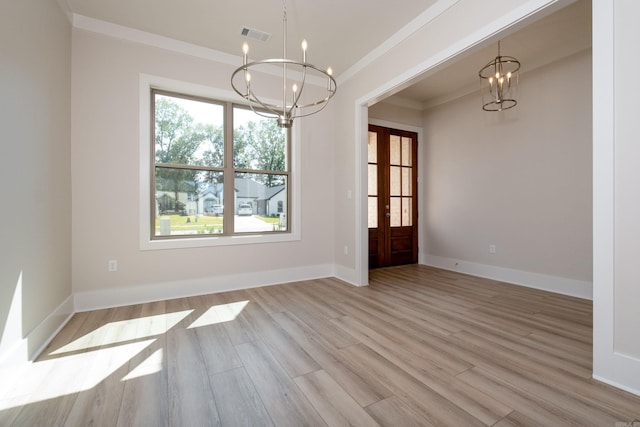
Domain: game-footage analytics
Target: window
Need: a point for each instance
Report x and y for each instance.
(218, 169)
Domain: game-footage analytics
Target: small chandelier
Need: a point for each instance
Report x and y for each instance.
(294, 77)
(498, 82)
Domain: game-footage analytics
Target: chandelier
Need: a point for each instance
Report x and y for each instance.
(499, 82)
(294, 75)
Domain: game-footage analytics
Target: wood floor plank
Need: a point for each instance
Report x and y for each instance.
(227, 308)
(191, 401)
(396, 337)
(332, 402)
(100, 404)
(145, 395)
(282, 398)
(420, 398)
(53, 385)
(218, 352)
(393, 412)
(329, 358)
(540, 411)
(481, 406)
(320, 324)
(295, 360)
(237, 400)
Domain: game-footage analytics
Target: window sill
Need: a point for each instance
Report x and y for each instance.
(253, 239)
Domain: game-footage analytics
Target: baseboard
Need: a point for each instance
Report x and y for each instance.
(617, 384)
(618, 370)
(346, 274)
(30, 347)
(559, 285)
(119, 297)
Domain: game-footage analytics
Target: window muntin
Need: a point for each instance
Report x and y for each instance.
(198, 145)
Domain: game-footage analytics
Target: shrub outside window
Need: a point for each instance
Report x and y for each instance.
(199, 145)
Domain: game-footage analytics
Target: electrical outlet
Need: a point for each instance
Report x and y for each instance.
(113, 265)
(492, 249)
(346, 250)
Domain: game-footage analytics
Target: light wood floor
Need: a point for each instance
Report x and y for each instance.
(418, 347)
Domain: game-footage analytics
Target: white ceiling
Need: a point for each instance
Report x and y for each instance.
(339, 32)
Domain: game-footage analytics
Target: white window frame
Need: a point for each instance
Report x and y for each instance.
(147, 82)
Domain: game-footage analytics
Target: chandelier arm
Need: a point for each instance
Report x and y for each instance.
(299, 94)
(273, 109)
(322, 107)
(332, 82)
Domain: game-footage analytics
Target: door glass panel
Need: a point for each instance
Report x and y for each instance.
(394, 175)
(406, 182)
(406, 151)
(396, 217)
(406, 211)
(373, 180)
(373, 147)
(394, 150)
(373, 212)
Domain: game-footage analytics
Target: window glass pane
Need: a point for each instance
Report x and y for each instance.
(373, 180)
(394, 150)
(188, 132)
(406, 211)
(394, 176)
(406, 182)
(190, 149)
(406, 151)
(260, 202)
(188, 202)
(396, 219)
(373, 212)
(258, 142)
(373, 147)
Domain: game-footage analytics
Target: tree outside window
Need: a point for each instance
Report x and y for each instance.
(192, 142)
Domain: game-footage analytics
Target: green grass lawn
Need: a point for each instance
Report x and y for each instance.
(201, 224)
(269, 219)
(192, 223)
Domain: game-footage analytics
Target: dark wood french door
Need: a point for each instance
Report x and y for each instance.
(393, 197)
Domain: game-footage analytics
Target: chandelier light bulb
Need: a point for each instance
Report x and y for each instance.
(300, 71)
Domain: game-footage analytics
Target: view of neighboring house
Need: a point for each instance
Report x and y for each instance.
(264, 200)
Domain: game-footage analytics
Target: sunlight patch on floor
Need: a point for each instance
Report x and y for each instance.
(151, 365)
(70, 374)
(220, 314)
(125, 330)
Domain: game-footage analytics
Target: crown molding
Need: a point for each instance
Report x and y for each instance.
(109, 29)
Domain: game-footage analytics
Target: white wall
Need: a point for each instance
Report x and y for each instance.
(519, 179)
(106, 195)
(35, 217)
(616, 90)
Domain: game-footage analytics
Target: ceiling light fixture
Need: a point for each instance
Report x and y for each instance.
(294, 77)
(499, 82)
